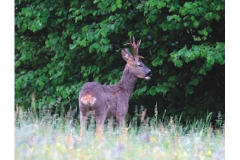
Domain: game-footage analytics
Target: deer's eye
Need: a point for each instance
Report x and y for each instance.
(139, 65)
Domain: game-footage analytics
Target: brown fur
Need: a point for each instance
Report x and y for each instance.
(112, 100)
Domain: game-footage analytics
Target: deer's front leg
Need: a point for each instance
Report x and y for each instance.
(120, 121)
(121, 112)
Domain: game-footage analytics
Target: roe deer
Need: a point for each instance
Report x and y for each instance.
(112, 99)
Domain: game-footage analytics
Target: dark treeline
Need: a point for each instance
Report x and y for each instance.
(60, 45)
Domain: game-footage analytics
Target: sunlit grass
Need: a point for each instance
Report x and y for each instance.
(51, 137)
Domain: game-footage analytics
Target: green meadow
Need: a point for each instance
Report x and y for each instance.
(51, 137)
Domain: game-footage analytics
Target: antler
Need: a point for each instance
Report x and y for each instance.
(134, 46)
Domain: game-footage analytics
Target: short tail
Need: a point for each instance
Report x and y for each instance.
(88, 100)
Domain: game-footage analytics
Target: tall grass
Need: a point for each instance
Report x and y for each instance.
(52, 137)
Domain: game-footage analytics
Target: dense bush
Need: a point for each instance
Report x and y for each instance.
(60, 45)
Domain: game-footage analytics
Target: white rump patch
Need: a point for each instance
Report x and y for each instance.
(88, 100)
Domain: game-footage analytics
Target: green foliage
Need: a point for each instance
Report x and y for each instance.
(61, 45)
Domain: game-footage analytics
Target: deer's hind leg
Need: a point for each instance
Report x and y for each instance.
(83, 121)
(100, 119)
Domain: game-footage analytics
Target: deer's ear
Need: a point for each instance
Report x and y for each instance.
(126, 54)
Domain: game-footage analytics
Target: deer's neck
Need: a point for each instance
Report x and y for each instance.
(128, 81)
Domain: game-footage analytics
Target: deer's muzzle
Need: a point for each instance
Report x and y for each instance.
(149, 75)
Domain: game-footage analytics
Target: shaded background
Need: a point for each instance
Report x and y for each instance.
(61, 45)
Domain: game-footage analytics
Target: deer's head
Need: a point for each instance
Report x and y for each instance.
(134, 62)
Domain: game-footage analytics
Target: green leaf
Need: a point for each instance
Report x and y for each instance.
(178, 63)
(95, 1)
(194, 82)
(196, 24)
(203, 32)
(78, 18)
(220, 46)
(119, 3)
(208, 16)
(189, 90)
(183, 11)
(113, 7)
(64, 94)
(161, 4)
(169, 18)
(74, 36)
(91, 49)
(218, 7)
(157, 62)
(96, 45)
(83, 42)
(51, 35)
(172, 79)
(105, 41)
(104, 48)
(24, 27)
(192, 56)
(53, 41)
(202, 71)
(103, 5)
(47, 43)
(72, 46)
(152, 91)
(162, 89)
(182, 51)
(40, 83)
(188, 5)
(186, 24)
(164, 26)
